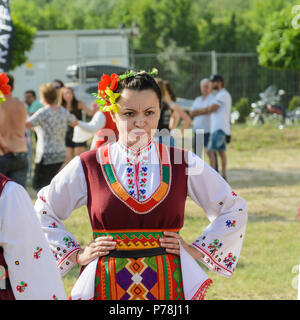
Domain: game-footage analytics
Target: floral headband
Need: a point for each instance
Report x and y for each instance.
(106, 97)
(4, 87)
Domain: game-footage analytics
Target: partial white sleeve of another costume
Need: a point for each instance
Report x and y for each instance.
(85, 130)
(32, 271)
(66, 192)
(221, 241)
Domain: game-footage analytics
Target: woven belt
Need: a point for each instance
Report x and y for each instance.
(135, 243)
(137, 253)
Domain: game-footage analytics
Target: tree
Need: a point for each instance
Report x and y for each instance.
(279, 46)
(22, 41)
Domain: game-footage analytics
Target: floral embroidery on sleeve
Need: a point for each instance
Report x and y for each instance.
(214, 246)
(53, 225)
(69, 242)
(229, 260)
(230, 223)
(37, 253)
(22, 286)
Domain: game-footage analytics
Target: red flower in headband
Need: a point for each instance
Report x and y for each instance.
(114, 82)
(4, 87)
(108, 81)
(104, 83)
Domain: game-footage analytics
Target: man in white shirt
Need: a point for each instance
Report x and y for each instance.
(219, 112)
(202, 122)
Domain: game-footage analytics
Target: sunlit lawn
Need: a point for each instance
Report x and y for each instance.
(264, 168)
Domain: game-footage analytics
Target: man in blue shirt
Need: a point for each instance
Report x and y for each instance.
(32, 104)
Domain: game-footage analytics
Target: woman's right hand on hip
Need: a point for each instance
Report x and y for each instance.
(96, 248)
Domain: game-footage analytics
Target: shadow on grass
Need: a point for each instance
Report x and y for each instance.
(249, 178)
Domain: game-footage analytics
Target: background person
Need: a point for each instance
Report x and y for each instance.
(169, 97)
(219, 112)
(101, 127)
(168, 120)
(68, 100)
(58, 84)
(13, 153)
(220, 123)
(50, 124)
(32, 105)
(202, 121)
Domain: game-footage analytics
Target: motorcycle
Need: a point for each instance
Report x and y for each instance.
(269, 107)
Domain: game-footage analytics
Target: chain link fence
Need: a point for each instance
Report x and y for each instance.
(242, 74)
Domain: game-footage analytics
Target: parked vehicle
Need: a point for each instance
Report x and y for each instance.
(269, 107)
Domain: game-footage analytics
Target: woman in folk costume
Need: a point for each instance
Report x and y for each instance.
(27, 267)
(135, 190)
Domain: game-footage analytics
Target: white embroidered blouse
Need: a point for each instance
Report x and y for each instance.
(32, 271)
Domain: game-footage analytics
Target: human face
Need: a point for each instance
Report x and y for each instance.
(138, 117)
(216, 85)
(205, 88)
(68, 95)
(29, 98)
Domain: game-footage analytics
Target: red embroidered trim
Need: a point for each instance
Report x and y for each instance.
(66, 256)
(194, 244)
(134, 151)
(201, 292)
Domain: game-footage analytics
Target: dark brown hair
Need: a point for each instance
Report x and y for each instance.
(140, 82)
(170, 91)
(74, 102)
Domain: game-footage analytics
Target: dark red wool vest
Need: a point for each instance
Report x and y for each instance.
(108, 212)
(4, 294)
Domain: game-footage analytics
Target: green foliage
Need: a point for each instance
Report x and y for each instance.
(244, 109)
(294, 103)
(22, 42)
(279, 46)
(192, 25)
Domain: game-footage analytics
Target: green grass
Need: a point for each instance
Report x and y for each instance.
(263, 167)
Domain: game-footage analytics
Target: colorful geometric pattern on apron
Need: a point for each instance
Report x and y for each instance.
(146, 278)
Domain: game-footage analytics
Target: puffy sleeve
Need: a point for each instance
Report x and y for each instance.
(32, 271)
(85, 130)
(221, 241)
(66, 192)
(98, 122)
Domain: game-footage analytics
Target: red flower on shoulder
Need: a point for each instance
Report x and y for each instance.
(4, 87)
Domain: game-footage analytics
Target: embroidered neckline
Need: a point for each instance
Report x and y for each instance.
(119, 191)
(136, 154)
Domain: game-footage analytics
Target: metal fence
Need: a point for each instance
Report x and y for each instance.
(242, 74)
